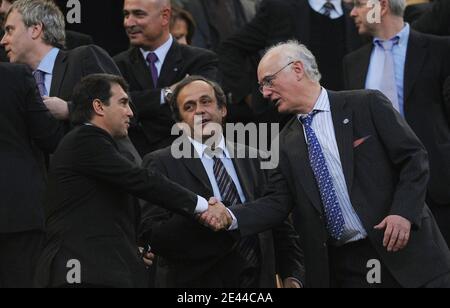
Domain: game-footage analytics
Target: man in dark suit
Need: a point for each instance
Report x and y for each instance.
(411, 72)
(436, 20)
(217, 20)
(358, 176)
(92, 221)
(57, 71)
(152, 66)
(192, 255)
(25, 124)
(329, 32)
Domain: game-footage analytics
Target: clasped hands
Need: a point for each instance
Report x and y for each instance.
(217, 217)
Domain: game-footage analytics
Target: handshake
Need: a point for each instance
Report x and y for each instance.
(217, 217)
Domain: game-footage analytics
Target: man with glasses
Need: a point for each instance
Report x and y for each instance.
(410, 68)
(357, 176)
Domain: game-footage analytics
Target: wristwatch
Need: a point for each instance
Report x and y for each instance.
(167, 93)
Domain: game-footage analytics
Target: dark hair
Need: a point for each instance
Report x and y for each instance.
(90, 88)
(179, 13)
(220, 95)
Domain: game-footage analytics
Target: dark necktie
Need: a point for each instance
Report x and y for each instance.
(39, 76)
(327, 8)
(152, 58)
(333, 212)
(248, 246)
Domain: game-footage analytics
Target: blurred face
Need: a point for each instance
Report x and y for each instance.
(180, 31)
(117, 116)
(18, 39)
(277, 78)
(4, 7)
(198, 107)
(360, 12)
(146, 23)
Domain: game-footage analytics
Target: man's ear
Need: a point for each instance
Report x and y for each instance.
(98, 107)
(36, 31)
(224, 111)
(299, 69)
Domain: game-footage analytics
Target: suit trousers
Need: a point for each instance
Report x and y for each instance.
(349, 267)
(18, 255)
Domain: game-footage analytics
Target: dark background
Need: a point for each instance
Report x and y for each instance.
(103, 20)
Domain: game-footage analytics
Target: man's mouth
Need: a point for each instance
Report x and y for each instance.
(277, 102)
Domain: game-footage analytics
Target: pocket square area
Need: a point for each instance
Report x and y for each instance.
(358, 142)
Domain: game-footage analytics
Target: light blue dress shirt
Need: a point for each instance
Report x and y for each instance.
(375, 75)
(324, 129)
(161, 52)
(47, 64)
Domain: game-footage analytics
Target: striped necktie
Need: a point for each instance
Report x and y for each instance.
(39, 76)
(248, 246)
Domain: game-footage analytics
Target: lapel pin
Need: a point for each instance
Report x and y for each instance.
(175, 69)
(346, 121)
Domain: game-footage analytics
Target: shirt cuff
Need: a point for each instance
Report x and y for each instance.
(234, 224)
(202, 205)
(163, 101)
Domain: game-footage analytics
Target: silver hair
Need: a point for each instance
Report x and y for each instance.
(45, 12)
(397, 7)
(294, 51)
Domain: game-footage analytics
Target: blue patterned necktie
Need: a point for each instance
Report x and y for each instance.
(39, 76)
(248, 246)
(333, 212)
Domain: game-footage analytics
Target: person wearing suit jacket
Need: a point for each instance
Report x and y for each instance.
(435, 20)
(154, 64)
(40, 47)
(331, 38)
(218, 19)
(191, 255)
(25, 123)
(357, 175)
(420, 65)
(91, 219)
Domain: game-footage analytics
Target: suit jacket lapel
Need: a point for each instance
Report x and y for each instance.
(196, 168)
(242, 169)
(301, 14)
(170, 68)
(343, 127)
(300, 164)
(59, 72)
(415, 59)
(361, 67)
(140, 69)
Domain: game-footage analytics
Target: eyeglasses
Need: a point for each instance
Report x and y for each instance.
(267, 81)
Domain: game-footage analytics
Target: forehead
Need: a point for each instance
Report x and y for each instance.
(143, 5)
(195, 90)
(14, 18)
(117, 92)
(268, 65)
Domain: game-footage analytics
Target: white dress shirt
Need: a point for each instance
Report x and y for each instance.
(317, 5)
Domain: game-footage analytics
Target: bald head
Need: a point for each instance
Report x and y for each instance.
(286, 52)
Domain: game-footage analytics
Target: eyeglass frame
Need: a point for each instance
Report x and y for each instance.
(267, 81)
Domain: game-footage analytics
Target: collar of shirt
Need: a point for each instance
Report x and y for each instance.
(161, 52)
(317, 6)
(403, 37)
(322, 104)
(200, 148)
(48, 62)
